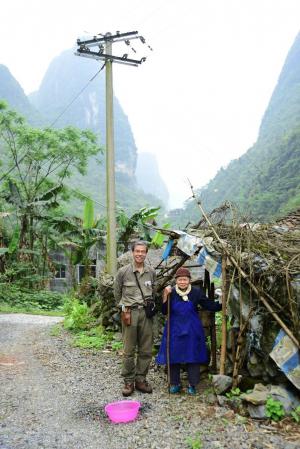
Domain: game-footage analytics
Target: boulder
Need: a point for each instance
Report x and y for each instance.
(221, 383)
(257, 411)
(258, 396)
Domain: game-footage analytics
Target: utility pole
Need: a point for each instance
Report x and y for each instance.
(105, 43)
(111, 247)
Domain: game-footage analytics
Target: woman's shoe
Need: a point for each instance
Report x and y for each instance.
(175, 389)
(191, 390)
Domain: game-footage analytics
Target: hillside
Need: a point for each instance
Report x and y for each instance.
(12, 92)
(265, 181)
(67, 74)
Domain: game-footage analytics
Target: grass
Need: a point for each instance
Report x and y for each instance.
(195, 443)
(117, 345)
(85, 341)
(56, 330)
(96, 338)
(6, 308)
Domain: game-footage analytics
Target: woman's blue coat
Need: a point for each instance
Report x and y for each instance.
(187, 338)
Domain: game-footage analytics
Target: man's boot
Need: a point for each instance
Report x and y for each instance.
(128, 389)
(143, 386)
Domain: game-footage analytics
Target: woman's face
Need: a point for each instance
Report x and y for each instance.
(183, 282)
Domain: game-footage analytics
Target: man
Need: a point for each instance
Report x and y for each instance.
(138, 335)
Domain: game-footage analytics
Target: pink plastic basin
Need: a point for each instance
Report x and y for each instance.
(122, 411)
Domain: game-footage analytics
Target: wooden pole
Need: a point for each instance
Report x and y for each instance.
(168, 344)
(213, 338)
(224, 315)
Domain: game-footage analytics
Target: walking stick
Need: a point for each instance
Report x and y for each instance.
(168, 343)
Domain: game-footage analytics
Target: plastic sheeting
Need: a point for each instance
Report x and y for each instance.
(287, 357)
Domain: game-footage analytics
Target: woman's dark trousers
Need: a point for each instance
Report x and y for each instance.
(193, 370)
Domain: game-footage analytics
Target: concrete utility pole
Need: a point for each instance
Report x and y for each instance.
(84, 50)
(111, 248)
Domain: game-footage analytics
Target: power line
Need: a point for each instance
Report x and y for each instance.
(78, 95)
(57, 118)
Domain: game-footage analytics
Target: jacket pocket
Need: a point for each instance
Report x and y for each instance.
(129, 288)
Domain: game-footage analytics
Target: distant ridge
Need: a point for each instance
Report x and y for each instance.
(12, 92)
(265, 181)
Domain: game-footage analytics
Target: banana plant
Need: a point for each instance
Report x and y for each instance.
(137, 224)
(80, 235)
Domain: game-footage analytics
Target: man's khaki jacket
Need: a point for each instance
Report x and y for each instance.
(126, 290)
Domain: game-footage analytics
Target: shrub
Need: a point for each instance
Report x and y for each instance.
(233, 393)
(22, 298)
(274, 409)
(77, 315)
(296, 414)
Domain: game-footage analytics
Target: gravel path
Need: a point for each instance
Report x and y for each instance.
(52, 397)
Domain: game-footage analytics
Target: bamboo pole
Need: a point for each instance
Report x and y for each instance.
(232, 344)
(244, 275)
(238, 362)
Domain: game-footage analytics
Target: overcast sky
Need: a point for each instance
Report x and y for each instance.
(198, 100)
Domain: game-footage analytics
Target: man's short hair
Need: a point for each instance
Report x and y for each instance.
(139, 243)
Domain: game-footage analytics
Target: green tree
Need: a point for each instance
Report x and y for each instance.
(35, 163)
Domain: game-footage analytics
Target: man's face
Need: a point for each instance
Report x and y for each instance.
(139, 254)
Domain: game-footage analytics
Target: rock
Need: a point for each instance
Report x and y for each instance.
(211, 398)
(223, 401)
(221, 383)
(257, 411)
(288, 399)
(95, 309)
(255, 367)
(118, 336)
(220, 411)
(258, 396)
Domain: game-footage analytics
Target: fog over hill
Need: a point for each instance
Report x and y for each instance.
(148, 177)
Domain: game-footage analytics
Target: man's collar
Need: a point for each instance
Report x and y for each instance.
(134, 269)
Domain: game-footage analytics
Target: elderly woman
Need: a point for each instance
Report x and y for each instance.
(186, 339)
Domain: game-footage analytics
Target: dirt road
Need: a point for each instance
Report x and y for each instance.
(52, 396)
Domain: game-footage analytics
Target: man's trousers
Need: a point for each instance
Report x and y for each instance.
(137, 341)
